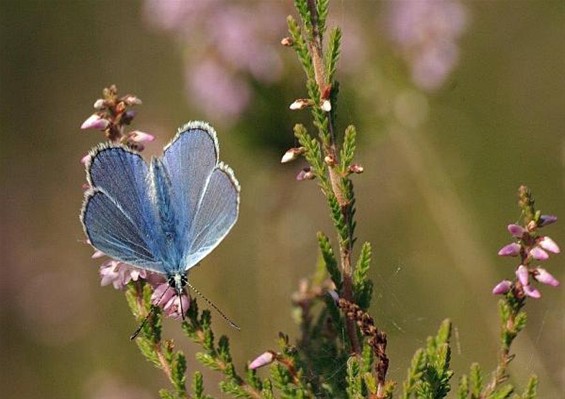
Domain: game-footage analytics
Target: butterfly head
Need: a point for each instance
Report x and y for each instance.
(177, 281)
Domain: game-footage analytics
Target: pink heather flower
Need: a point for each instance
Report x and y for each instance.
(544, 220)
(119, 274)
(523, 275)
(95, 122)
(177, 306)
(548, 244)
(167, 298)
(512, 249)
(502, 288)
(532, 292)
(544, 277)
(516, 230)
(538, 254)
(262, 360)
(162, 294)
(140, 137)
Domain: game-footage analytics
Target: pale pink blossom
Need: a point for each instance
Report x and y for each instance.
(502, 288)
(94, 121)
(544, 277)
(262, 360)
(119, 274)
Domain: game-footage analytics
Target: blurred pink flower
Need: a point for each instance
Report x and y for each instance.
(119, 274)
(502, 288)
(229, 43)
(94, 121)
(426, 32)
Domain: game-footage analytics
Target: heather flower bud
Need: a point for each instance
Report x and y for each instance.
(262, 360)
(531, 292)
(99, 104)
(131, 100)
(355, 168)
(538, 254)
(544, 277)
(287, 42)
(292, 154)
(128, 116)
(301, 103)
(140, 137)
(329, 160)
(510, 250)
(94, 121)
(305, 174)
(326, 106)
(502, 288)
(545, 220)
(549, 245)
(516, 230)
(523, 274)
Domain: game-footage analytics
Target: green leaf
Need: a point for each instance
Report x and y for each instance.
(208, 361)
(354, 379)
(329, 259)
(323, 6)
(362, 286)
(502, 393)
(178, 373)
(475, 380)
(348, 149)
(531, 389)
(198, 385)
(164, 394)
(463, 390)
(333, 53)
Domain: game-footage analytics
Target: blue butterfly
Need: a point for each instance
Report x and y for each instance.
(165, 216)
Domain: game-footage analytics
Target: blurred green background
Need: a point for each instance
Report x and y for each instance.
(441, 173)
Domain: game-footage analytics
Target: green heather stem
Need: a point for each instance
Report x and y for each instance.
(316, 51)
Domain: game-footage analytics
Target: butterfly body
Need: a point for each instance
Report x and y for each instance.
(165, 216)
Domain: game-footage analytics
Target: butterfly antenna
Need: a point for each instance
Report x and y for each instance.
(151, 313)
(209, 302)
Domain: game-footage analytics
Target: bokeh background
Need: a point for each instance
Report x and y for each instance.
(456, 105)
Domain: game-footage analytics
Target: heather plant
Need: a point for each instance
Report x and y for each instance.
(340, 352)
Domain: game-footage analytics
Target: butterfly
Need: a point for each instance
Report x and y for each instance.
(164, 216)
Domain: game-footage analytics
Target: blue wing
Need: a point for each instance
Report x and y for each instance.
(111, 230)
(117, 215)
(216, 214)
(205, 193)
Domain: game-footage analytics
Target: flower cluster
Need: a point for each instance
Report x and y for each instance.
(426, 32)
(120, 274)
(112, 114)
(530, 246)
(230, 45)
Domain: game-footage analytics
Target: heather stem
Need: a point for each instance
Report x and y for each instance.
(315, 46)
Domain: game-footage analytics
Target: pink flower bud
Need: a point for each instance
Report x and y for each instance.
(544, 220)
(326, 106)
(98, 254)
(95, 122)
(262, 360)
(538, 254)
(523, 275)
(140, 137)
(177, 306)
(502, 288)
(544, 277)
(516, 230)
(510, 250)
(549, 245)
(531, 292)
(162, 295)
(305, 174)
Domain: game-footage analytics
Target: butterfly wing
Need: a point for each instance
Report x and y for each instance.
(215, 215)
(205, 194)
(117, 214)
